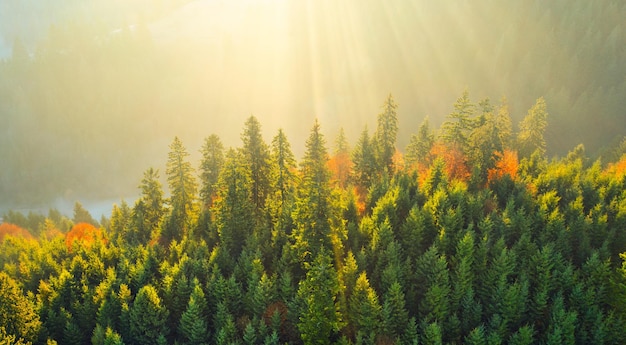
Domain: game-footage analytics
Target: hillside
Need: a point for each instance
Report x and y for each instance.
(471, 237)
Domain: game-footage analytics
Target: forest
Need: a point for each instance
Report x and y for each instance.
(468, 235)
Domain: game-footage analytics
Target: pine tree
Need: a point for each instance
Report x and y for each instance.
(212, 161)
(313, 206)
(365, 310)
(193, 327)
(182, 184)
(419, 147)
(320, 319)
(531, 130)
(148, 209)
(283, 185)
(17, 314)
(364, 158)
(395, 315)
(455, 130)
(233, 207)
(148, 317)
(81, 215)
(256, 153)
(386, 133)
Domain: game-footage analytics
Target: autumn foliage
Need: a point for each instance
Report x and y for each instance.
(84, 233)
(8, 229)
(507, 163)
(618, 168)
(340, 166)
(456, 162)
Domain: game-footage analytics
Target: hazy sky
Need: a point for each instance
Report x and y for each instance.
(213, 63)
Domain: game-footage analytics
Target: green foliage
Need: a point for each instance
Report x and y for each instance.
(385, 137)
(319, 317)
(412, 259)
(18, 317)
(532, 128)
(419, 147)
(182, 184)
(257, 155)
(148, 317)
(210, 167)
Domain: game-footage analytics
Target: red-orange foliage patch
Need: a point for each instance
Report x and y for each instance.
(340, 166)
(618, 168)
(456, 162)
(8, 229)
(84, 233)
(507, 164)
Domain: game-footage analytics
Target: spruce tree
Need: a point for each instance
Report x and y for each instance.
(313, 206)
(531, 130)
(256, 153)
(212, 161)
(193, 326)
(320, 319)
(364, 158)
(386, 133)
(148, 317)
(419, 147)
(182, 184)
(233, 208)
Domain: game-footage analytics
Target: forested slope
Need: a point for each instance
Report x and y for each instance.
(471, 237)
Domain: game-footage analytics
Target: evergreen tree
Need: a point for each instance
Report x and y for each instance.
(148, 209)
(283, 185)
(531, 130)
(18, 317)
(386, 133)
(313, 206)
(120, 223)
(455, 130)
(212, 161)
(419, 147)
(81, 215)
(395, 315)
(365, 311)
(182, 184)
(364, 158)
(148, 317)
(320, 319)
(256, 153)
(233, 207)
(193, 327)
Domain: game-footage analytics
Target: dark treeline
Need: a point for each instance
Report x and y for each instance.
(92, 88)
(471, 237)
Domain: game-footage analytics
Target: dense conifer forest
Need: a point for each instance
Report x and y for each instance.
(469, 235)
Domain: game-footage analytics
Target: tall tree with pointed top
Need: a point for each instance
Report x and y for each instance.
(212, 161)
(148, 210)
(283, 185)
(531, 129)
(148, 317)
(180, 177)
(340, 163)
(313, 203)
(364, 158)
(257, 154)
(386, 133)
(233, 208)
(420, 145)
(320, 318)
(455, 130)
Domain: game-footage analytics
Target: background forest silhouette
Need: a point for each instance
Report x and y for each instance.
(92, 92)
